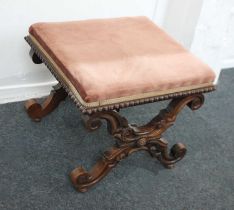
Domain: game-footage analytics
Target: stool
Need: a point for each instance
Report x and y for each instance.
(105, 65)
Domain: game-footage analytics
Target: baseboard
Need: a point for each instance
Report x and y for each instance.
(228, 63)
(23, 92)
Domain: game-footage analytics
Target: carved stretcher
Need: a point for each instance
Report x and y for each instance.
(105, 65)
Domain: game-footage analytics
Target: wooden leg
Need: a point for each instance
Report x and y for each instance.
(130, 138)
(34, 57)
(37, 111)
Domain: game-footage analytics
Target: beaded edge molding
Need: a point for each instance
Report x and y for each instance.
(88, 110)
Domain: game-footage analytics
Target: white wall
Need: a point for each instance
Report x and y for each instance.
(181, 19)
(21, 79)
(214, 35)
(227, 55)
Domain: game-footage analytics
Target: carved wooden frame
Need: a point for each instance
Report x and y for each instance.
(129, 137)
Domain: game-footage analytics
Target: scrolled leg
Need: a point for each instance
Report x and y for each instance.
(34, 57)
(113, 119)
(159, 150)
(83, 180)
(37, 111)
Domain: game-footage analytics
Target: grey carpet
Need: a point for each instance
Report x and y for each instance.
(36, 158)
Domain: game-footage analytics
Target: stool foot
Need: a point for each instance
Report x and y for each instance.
(37, 111)
(83, 180)
(131, 138)
(159, 150)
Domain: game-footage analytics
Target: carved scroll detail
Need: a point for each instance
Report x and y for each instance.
(132, 138)
(36, 111)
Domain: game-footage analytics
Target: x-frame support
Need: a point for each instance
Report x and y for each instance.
(129, 138)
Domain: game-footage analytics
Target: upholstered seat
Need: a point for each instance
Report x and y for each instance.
(120, 58)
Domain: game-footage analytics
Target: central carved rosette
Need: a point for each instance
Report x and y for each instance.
(125, 136)
(131, 136)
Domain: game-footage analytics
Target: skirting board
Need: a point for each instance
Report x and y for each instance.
(23, 92)
(228, 63)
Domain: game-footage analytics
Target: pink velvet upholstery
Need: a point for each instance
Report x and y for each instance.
(112, 58)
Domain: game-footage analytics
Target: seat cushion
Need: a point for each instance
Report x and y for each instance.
(115, 58)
